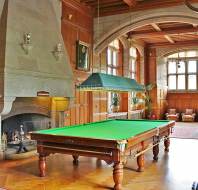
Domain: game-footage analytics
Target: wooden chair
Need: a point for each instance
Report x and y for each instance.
(188, 115)
(172, 114)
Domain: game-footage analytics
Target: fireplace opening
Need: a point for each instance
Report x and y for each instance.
(15, 132)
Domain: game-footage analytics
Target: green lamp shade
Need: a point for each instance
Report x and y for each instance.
(106, 82)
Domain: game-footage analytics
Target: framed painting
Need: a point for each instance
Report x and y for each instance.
(82, 56)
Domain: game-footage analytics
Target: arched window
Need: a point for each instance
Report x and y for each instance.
(182, 70)
(112, 65)
(132, 62)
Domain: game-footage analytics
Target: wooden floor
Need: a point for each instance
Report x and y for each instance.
(174, 171)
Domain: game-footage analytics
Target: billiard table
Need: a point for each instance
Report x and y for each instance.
(111, 140)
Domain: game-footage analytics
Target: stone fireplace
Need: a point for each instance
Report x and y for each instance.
(33, 114)
(35, 72)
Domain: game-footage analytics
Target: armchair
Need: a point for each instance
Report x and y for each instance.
(172, 114)
(189, 115)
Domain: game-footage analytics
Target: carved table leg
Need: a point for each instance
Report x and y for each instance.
(42, 165)
(140, 162)
(75, 161)
(167, 144)
(155, 152)
(118, 175)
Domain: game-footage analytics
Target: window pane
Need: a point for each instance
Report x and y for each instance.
(191, 53)
(181, 67)
(109, 56)
(171, 67)
(109, 70)
(115, 44)
(109, 101)
(114, 72)
(114, 58)
(132, 52)
(133, 65)
(172, 82)
(181, 54)
(192, 82)
(192, 66)
(181, 83)
(175, 55)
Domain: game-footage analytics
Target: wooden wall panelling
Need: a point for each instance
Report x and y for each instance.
(181, 101)
(77, 24)
(123, 96)
(162, 102)
(158, 94)
(151, 78)
(138, 66)
(124, 103)
(120, 59)
(96, 106)
(67, 121)
(103, 105)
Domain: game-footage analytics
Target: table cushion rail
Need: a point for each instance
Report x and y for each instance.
(75, 140)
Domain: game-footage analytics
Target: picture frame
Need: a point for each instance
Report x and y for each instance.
(82, 56)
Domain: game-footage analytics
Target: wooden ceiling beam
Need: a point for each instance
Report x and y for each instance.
(103, 2)
(86, 1)
(157, 28)
(173, 31)
(109, 5)
(176, 44)
(142, 5)
(169, 39)
(130, 3)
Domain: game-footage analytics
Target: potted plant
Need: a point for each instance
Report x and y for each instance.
(147, 99)
(134, 101)
(115, 103)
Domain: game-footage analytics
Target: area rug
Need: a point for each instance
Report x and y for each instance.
(185, 130)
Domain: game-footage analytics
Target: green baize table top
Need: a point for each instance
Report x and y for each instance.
(107, 130)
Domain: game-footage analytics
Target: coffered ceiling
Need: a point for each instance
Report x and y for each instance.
(169, 33)
(154, 34)
(110, 7)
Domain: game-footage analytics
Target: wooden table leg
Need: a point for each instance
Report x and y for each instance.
(118, 175)
(42, 164)
(140, 162)
(75, 161)
(167, 144)
(155, 152)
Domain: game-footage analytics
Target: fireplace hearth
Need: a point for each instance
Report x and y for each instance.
(30, 122)
(15, 130)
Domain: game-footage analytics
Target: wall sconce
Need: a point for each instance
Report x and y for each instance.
(58, 52)
(26, 45)
(70, 16)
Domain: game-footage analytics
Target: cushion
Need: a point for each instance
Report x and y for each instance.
(172, 111)
(172, 115)
(189, 111)
(187, 116)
